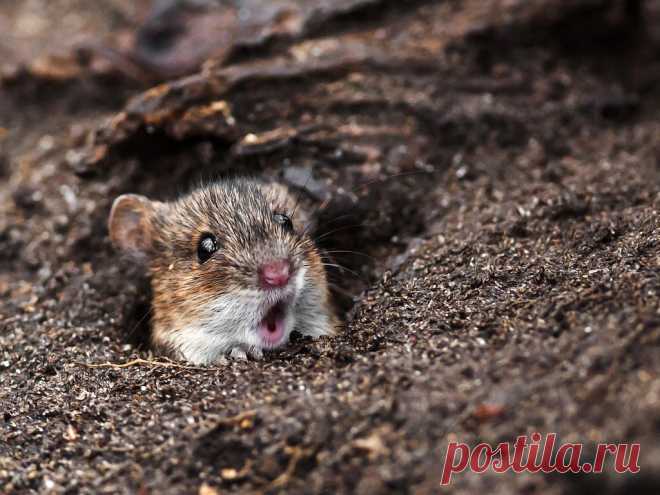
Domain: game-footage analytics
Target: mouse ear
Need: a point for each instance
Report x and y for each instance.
(131, 224)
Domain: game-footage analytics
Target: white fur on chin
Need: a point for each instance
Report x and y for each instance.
(230, 322)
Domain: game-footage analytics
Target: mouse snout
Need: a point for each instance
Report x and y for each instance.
(275, 274)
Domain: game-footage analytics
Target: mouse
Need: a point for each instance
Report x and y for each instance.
(232, 267)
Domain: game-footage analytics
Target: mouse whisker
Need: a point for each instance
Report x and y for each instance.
(343, 268)
(348, 251)
(328, 223)
(135, 327)
(338, 289)
(299, 195)
(339, 229)
(323, 205)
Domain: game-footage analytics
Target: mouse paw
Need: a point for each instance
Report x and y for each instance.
(238, 353)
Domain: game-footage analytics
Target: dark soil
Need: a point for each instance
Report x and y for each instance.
(494, 165)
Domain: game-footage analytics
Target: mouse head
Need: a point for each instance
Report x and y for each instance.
(231, 270)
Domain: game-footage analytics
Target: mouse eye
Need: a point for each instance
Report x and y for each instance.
(206, 247)
(284, 221)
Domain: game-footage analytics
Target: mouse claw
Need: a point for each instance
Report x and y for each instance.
(238, 353)
(256, 353)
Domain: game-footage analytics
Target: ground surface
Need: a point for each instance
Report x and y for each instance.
(509, 222)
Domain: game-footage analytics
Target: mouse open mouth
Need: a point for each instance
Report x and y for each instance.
(271, 328)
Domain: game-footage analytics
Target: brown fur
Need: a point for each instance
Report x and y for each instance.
(240, 214)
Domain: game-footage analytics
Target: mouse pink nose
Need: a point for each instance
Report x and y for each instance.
(275, 273)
